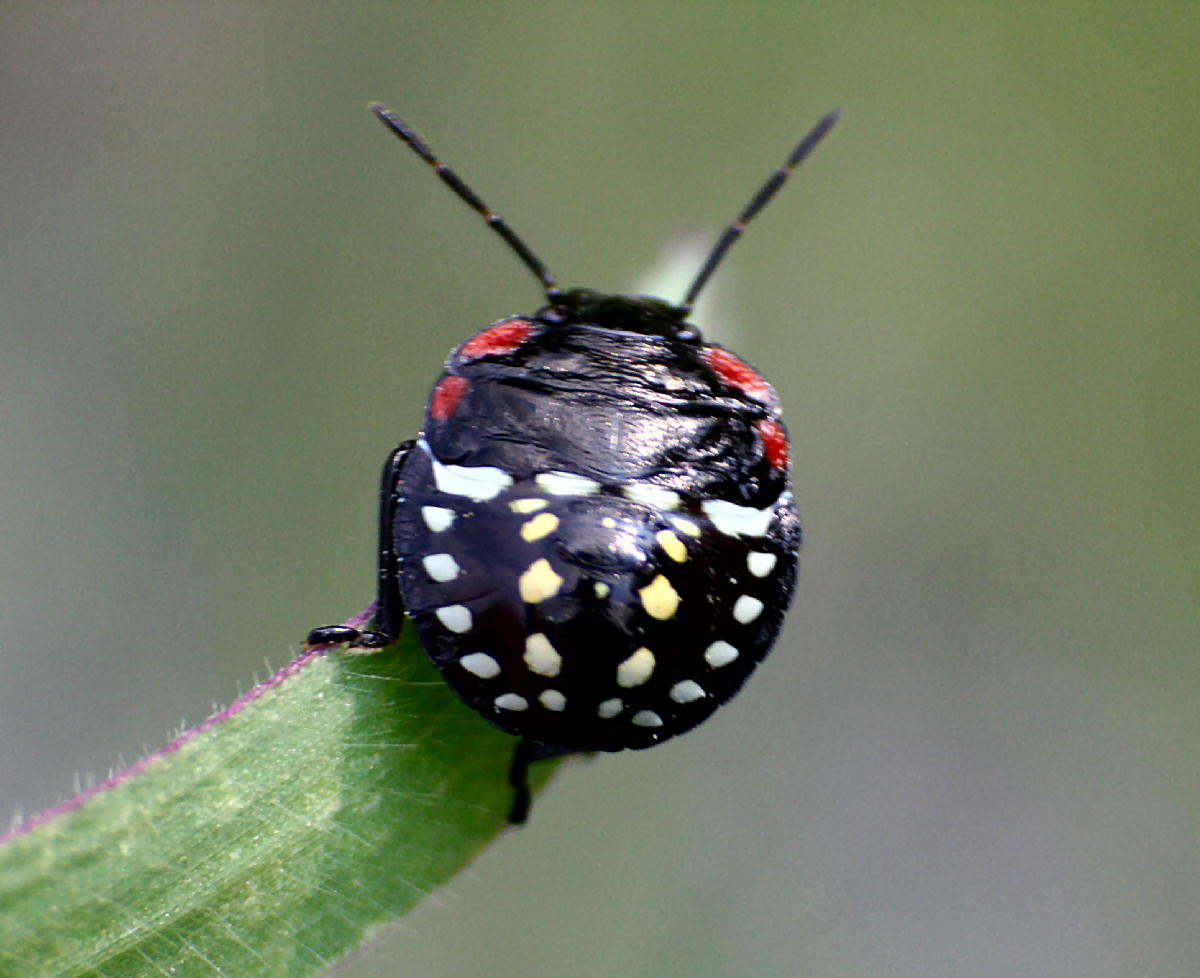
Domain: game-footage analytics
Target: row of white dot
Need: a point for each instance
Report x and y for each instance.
(542, 658)
(484, 666)
(552, 699)
(482, 483)
(442, 567)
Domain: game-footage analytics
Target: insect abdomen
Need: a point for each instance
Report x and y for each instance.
(589, 616)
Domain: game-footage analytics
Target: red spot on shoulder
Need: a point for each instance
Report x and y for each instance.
(502, 337)
(445, 397)
(737, 373)
(775, 443)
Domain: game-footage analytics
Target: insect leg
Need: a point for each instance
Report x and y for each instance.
(389, 614)
(525, 753)
(389, 610)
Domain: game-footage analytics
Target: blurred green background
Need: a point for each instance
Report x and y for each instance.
(225, 291)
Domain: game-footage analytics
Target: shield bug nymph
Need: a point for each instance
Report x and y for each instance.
(594, 532)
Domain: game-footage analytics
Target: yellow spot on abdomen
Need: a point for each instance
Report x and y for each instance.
(539, 526)
(659, 599)
(539, 582)
(530, 504)
(672, 546)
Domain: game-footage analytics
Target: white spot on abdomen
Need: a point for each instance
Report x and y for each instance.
(567, 484)
(511, 701)
(687, 691)
(760, 564)
(437, 518)
(684, 525)
(654, 496)
(609, 709)
(732, 519)
(477, 482)
(746, 609)
(441, 567)
(456, 617)
(636, 669)
(480, 664)
(720, 654)
(552, 699)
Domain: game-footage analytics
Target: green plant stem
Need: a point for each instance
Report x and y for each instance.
(270, 840)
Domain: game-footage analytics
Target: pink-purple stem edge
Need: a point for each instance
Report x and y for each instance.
(70, 804)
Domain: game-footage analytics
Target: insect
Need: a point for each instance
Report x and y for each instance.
(594, 533)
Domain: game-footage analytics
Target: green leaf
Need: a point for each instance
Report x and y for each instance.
(270, 840)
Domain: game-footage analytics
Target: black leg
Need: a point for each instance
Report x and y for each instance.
(332, 635)
(389, 614)
(345, 635)
(518, 777)
(524, 754)
(389, 611)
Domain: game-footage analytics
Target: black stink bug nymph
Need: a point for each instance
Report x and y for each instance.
(594, 532)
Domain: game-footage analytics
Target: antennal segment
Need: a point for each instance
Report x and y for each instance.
(757, 203)
(455, 183)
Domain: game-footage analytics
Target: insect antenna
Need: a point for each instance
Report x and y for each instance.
(757, 203)
(455, 183)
